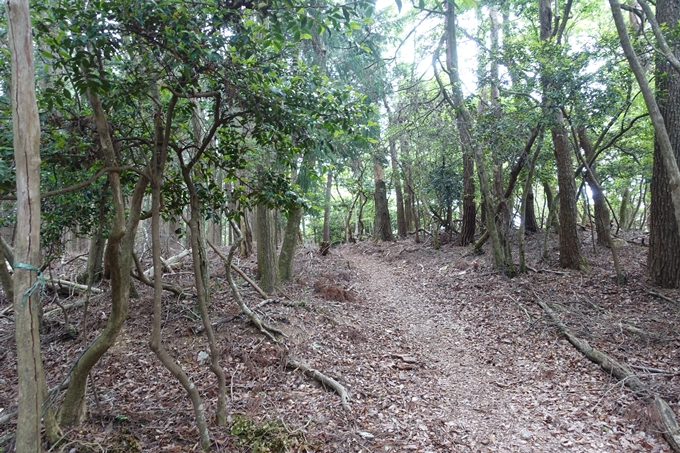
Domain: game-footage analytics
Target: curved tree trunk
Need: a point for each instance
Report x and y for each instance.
(119, 257)
(467, 229)
(155, 342)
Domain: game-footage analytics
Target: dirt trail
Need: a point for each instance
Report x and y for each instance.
(487, 373)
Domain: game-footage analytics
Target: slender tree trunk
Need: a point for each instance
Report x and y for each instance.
(155, 342)
(327, 211)
(402, 229)
(382, 226)
(600, 204)
(570, 248)
(26, 134)
(464, 123)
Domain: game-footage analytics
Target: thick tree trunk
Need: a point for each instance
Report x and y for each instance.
(667, 151)
(26, 134)
(382, 226)
(570, 247)
(530, 223)
(663, 260)
(267, 262)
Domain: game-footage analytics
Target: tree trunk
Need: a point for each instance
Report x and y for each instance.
(267, 262)
(26, 133)
(570, 249)
(402, 229)
(327, 210)
(287, 254)
(464, 124)
(663, 260)
(118, 255)
(382, 226)
(155, 343)
(467, 229)
(530, 223)
(666, 149)
(600, 204)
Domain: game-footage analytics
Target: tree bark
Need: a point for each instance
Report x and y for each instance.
(570, 249)
(663, 140)
(663, 261)
(464, 124)
(267, 262)
(118, 255)
(382, 226)
(402, 229)
(601, 208)
(26, 135)
(327, 211)
(155, 342)
(287, 254)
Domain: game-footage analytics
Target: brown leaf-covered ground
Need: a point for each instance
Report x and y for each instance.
(436, 357)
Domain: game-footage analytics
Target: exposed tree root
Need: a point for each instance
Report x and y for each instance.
(671, 430)
(266, 329)
(325, 380)
(269, 331)
(238, 270)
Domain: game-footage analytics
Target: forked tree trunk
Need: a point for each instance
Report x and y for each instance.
(155, 343)
(118, 255)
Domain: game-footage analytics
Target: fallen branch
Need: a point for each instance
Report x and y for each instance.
(655, 294)
(319, 376)
(142, 277)
(170, 261)
(55, 283)
(671, 430)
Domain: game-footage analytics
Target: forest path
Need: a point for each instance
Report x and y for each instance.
(465, 366)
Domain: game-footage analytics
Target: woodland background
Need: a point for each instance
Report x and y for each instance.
(157, 131)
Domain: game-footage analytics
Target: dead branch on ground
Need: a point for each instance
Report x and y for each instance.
(319, 376)
(671, 430)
